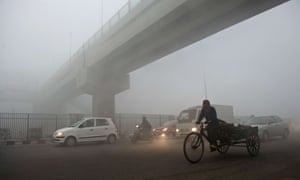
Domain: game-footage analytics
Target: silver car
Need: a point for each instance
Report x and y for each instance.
(270, 126)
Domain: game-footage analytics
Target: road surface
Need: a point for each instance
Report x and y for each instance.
(161, 159)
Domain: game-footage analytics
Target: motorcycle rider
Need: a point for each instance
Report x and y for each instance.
(146, 127)
(209, 113)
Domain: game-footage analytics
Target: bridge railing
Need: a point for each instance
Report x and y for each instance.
(131, 4)
(65, 68)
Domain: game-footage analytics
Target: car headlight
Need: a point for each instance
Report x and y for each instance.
(165, 129)
(177, 130)
(59, 134)
(194, 129)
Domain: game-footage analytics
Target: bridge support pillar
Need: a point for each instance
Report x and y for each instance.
(104, 100)
(104, 94)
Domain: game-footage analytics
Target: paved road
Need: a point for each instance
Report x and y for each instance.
(162, 159)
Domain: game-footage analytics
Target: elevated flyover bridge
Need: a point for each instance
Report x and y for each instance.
(141, 32)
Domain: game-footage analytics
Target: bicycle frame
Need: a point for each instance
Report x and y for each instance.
(202, 133)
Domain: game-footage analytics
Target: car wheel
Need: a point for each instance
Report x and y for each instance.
(111, 139)
(70, 141)
(285, 134)
(265, 136)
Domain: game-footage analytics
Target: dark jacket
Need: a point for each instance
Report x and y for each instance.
(210, 115)
(145, 125)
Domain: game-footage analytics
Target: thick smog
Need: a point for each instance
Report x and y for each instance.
(145, 89)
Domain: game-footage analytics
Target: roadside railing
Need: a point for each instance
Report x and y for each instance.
(30, 126)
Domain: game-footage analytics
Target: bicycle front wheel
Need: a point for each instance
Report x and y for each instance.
(193, 147)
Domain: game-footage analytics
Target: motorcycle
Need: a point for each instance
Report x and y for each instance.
(138, 135)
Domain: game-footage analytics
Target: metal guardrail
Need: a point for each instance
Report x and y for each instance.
(27, 126)
(24, 126)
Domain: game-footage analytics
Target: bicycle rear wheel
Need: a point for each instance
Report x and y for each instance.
(193, 147)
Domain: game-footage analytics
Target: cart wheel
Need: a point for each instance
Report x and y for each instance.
(193, 147)
(223, 148)
(223, 136)
(253, 144)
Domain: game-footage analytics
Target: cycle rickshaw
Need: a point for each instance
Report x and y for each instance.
(227, 135)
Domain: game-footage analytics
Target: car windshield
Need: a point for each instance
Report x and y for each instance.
(77, 123)
(258, 121)
(187, 116)
(170, 123)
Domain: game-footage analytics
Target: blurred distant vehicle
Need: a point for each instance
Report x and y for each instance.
(270, 126)
(188, 117)
(87, 130)
(139, 135)
(243, 119)
(167, 129)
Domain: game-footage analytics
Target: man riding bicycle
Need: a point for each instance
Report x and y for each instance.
(209, 113)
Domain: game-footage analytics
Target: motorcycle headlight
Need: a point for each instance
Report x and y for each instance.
(165, 129)
(194, 129)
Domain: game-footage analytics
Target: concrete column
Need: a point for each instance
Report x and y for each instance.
(105, 89)
(104, 100)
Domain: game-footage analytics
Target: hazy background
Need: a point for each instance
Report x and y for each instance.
(38, 36)
(254, 65)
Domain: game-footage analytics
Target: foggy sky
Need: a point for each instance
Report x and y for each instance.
(253, 65)
(36, 36)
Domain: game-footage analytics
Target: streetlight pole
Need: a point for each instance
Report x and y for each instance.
(70, 50)
(101, 15)
(204, 81)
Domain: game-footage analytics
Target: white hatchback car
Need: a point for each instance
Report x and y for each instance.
(87, 130)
